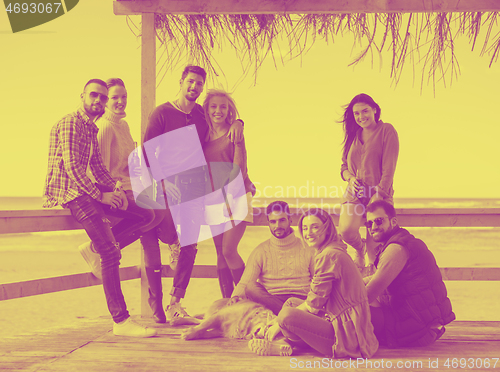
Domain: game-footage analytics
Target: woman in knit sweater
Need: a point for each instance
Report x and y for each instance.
(369, 160)
(116, 145)
(335, 317)
(228, 203)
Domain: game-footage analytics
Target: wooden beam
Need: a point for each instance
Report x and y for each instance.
(199, 271)
(28, 288)
(12, 222)
(470, 273)
(148, 70)
(35, 287)
(422, 217)
(129, 7)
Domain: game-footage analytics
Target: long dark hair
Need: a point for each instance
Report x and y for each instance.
(350, 125)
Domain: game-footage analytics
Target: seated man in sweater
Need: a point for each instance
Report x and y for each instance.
(408, 298)
(279, 268)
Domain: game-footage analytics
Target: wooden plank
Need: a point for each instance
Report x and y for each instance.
(53, 220)
(218, 358)
(148, 102)
(35, 213)
(409, 217)
(448, 273)
(62, 283)
(14, 225)
(199, 271)
(9, 291)
(472, 330)
(470, 273)
(121, 7)
(90, 346)
(148, 69)
(35, 287)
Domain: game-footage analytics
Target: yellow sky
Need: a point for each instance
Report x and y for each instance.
(448, 142)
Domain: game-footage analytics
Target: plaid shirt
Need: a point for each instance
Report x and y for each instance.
(71, 140)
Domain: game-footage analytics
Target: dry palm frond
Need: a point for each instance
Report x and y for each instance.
(425, 39)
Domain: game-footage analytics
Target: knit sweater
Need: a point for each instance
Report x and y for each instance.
(282, 266)
(115, 144)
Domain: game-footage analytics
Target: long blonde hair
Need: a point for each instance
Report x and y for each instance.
(232, 112)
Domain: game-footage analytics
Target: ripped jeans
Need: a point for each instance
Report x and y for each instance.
(92, 215)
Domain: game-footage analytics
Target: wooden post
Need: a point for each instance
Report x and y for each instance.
(148, 102)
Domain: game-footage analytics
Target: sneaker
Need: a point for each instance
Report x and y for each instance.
(267, 348)
(93, 259)
(177, 315)
(175, 251)
(131, 329)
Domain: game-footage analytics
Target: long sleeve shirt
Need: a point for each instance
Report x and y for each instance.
(173, 141)
(115, 145)
(72, 148)
(338, 289)
(374, 161)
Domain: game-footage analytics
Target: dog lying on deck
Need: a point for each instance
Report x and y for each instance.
(243, 319)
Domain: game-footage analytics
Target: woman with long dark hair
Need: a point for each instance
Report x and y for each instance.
(369, 158)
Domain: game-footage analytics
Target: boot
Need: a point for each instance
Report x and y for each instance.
(155, 293)
(237, 273)
(225, 282)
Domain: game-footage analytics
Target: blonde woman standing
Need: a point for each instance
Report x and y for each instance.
(228, 207)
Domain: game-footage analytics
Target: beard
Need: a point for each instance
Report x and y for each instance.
(283, 233)
(94, 109)
(192, 98)
(382, 236)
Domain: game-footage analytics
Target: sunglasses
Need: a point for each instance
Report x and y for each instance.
(103, 98)
(378, 221)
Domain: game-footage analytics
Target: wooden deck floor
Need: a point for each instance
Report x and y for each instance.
(90, 346)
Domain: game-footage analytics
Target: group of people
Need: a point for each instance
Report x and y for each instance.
(195, 164)
(322, 300)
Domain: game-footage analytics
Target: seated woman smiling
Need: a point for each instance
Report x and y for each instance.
(335, 318)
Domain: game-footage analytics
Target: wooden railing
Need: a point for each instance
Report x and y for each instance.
(58, 219)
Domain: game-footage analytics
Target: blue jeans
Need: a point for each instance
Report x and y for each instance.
(152, 213)
(190, 221)
(91, 214)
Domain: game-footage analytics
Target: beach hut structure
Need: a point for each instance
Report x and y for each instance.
(421, 29)
(91, 347)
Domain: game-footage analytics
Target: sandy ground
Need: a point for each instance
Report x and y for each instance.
(39, 255)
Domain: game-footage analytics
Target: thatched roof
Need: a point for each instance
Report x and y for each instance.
(425, 41)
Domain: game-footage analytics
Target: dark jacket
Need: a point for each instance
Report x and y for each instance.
(416, 301)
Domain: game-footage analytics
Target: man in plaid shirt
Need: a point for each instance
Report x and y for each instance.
(73, 153)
